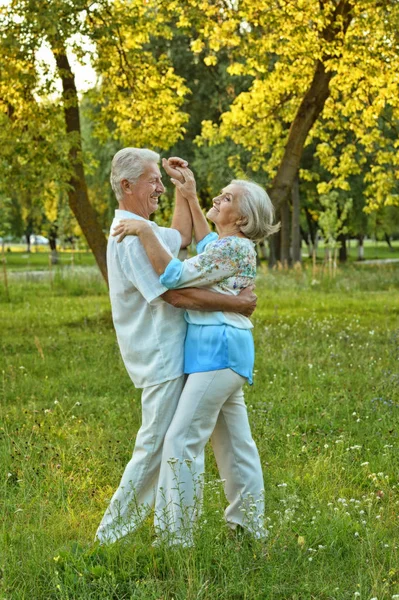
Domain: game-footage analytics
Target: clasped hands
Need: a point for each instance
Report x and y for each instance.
(182, 177)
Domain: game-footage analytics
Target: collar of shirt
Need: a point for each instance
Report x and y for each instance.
(125, 214)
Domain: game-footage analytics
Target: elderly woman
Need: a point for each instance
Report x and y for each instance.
(219, 358)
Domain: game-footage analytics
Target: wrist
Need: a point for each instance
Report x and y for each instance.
(230, 302)
(144, 229)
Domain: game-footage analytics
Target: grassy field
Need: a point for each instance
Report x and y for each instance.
(38, 259)
(18, 260)
(324, 411)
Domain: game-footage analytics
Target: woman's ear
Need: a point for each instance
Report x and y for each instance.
(242, 221)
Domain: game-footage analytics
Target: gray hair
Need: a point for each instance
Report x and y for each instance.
(129, 163)
(257, 210)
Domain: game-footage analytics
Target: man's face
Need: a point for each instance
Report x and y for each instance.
(144, 194)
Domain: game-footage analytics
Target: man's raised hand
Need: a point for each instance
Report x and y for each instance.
(172, 166)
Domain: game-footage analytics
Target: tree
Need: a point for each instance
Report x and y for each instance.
(211, 90)
(384, 223)
(133, 93)
(332, 222)
(307, 84)
(5, 219)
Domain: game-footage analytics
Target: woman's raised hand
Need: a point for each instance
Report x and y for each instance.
(181, 176)
(129, 227)
(187, 187)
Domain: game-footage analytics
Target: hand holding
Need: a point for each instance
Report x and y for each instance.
(129, 227)
(249, 300)
(172, 165)
(187, 187)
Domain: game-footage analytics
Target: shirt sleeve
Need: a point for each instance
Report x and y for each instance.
(202, 244)
(138, 269)
(214, 265)
(171, 238)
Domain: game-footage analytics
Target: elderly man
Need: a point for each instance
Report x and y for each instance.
(150, 327)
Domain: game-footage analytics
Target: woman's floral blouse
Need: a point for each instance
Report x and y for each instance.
(226, 265)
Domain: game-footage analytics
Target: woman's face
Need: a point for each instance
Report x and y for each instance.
(226, 207)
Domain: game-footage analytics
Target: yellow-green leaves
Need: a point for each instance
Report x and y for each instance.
(279, 46)
(140, 94)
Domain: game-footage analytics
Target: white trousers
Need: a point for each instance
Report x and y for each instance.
(136, 493)
(211, 402)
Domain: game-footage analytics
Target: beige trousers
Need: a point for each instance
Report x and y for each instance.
(212, 404)
(136, 493)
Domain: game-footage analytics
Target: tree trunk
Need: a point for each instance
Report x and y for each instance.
(261, 252)
(343, 252)
(310, 108)
(29, 227)
(312, 226)
(305, 236)
(360, 248)
(53, 245)
(296, 228)
(77, 194)
(388, 241)
(5, 276)
(274, 248)
(285, 235)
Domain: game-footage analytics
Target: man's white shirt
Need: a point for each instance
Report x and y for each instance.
(150, 331)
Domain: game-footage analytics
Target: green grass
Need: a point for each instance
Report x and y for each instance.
(372, 250)
(324, 411)
(18, 260)
(39, 261)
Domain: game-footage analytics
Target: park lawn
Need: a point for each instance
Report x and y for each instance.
(39, 261)
(373, 250)
(19, 260)
(324, 411)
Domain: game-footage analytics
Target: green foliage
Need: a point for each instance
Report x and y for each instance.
(332, 219)
(279, 46)
(5, 216)
(211, 90)
(139, 94)
(136, 102)
(385, 221)
(98, 157)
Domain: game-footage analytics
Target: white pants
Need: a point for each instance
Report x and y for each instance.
(135, 495)
(211, 402)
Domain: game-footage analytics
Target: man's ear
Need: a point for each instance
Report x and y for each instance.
(125, 185)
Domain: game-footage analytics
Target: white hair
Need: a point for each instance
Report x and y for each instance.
(129, 163)
(257, 210)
